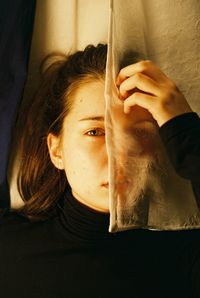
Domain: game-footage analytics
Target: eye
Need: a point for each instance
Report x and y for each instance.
(92, 133)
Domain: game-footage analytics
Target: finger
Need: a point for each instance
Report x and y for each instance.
(143, 100)
(142, 82)
(145, 66)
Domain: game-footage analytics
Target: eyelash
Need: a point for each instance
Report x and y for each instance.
(96, 129)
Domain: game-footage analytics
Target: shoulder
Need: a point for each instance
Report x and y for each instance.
(8, 217)
(19, 232)
(13, 223)
(13, 230)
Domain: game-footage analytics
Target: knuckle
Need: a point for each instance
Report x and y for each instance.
(136, 95)
(170, 94)
(138, 76)
(145, 64)
(122, 72)
(121, 88)
(148, 61)
(172, 86)
(166, 100)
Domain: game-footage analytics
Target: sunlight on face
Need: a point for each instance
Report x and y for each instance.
(84, 152)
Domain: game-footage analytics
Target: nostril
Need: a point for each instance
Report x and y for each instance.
(105, 184)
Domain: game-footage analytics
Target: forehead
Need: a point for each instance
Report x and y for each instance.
(88, 100)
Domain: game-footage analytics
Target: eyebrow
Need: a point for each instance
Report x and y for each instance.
(93, 118)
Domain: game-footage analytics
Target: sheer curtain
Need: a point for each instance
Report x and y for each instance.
(166, 32)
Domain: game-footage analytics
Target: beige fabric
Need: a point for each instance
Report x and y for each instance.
(144, 190)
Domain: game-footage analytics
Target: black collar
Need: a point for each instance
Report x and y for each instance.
(83, 222)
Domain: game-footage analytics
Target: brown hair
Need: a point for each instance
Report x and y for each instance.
(41, 184)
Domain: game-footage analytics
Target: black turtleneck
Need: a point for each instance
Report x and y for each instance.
(73, 255)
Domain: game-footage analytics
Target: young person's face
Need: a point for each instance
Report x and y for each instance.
(82, 152)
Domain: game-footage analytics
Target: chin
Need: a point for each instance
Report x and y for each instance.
(103, 210)
(104, 207)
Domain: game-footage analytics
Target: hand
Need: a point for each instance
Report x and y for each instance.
(157, 93)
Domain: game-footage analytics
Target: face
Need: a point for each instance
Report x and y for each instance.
(82, 149)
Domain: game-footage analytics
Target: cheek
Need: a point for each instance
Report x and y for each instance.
(84, 160)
